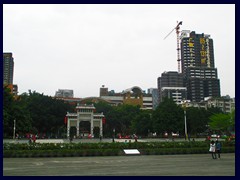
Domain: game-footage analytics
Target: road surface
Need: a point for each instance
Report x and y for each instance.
(128, 165)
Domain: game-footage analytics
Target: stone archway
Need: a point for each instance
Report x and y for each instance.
(85, 113)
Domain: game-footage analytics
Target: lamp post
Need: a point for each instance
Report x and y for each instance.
(113, 134)
(14, 128)
(185, 120)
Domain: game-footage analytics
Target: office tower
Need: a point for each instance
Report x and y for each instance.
(8, 67)
(198, 68)
(171, 85)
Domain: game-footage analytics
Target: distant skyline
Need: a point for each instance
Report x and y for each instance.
(84, 46)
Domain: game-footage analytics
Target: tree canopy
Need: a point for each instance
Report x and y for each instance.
(34, 113)
(223, 122)
(38, 113)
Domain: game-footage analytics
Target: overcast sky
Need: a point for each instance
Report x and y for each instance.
(82, 47)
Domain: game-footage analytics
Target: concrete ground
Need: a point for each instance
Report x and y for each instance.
(129, 165)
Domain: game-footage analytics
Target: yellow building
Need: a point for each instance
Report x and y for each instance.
(133, 96)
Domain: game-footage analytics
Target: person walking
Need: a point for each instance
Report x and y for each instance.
(212, 149)
(218, 148)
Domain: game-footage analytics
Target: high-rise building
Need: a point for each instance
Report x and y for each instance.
(8, 67)
(198, 69)
(171, 85)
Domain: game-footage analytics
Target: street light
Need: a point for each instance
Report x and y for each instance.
(14, 128)
(185, 119)
(185, 122)
(113, 134)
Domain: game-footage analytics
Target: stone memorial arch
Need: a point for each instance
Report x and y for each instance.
(85, 113)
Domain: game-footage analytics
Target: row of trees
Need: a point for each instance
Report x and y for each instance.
(168, 117)
(34, 113)
(37, 113)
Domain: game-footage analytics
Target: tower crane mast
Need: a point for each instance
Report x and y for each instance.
(177, 28)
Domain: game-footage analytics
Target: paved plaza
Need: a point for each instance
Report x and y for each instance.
(129, 165)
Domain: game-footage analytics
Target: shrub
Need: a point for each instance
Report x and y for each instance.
(108, 149)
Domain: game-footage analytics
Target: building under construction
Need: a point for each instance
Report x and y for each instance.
(195, 58)
(198, 69)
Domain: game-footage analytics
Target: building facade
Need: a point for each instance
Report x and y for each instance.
(171, 85)
(225, 103)
(8, 67)
(64, 93)
(103, 91)
(8, 72)
(198, 68)
(155, 97)
(132, 96)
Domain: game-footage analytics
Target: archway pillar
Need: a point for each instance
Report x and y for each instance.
(92, 124)
(68, 128)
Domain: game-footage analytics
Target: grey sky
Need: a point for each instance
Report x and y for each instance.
(83, 47)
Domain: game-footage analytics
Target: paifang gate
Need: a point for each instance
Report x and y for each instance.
(85, 113)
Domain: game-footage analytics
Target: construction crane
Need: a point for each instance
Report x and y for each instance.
(177, 28)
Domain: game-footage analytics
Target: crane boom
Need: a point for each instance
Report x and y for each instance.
(178, 44)
(177, 27)
(169, 33)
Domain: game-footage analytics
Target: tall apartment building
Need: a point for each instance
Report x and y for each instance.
(171, 85)
(198, 69)
(8, 67)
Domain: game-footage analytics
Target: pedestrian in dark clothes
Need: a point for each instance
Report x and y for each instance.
(218, 148)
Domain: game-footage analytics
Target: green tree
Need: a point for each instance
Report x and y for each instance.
(197, 120)
(8, 109)
(120, 117)
(222, 122)
(142, 123)
(168, 117)
(33, 112)
(47, 113)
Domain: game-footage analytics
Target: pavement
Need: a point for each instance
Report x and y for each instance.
(128, 165)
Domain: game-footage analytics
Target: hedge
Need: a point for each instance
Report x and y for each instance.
(108, 149)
